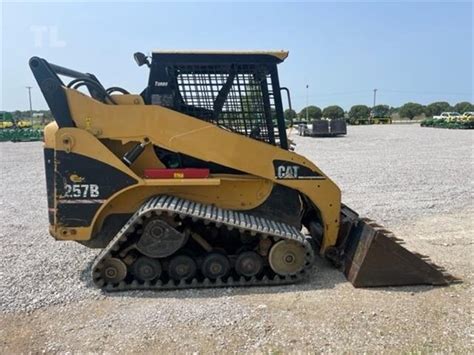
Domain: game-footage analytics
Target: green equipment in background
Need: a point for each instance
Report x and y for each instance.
(12, 130)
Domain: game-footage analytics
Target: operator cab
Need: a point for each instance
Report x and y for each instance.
(238, 91)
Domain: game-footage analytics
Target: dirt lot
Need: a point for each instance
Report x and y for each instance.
(416, 181)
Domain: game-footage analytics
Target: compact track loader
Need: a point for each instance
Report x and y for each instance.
(193, 182)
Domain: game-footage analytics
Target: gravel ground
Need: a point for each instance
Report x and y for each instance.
(416, 181)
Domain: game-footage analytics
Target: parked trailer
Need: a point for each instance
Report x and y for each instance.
(323, 128)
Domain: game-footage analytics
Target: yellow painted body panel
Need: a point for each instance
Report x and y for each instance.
(225, 190)
(120, 99)
(97, 123)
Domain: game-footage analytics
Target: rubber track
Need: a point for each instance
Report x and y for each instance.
(209, 215)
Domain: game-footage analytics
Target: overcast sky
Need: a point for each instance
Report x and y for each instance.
(419, 52)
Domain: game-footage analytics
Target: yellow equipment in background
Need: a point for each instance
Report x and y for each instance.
(6, 120)
(381, 120)
(6, 124)
(193, 183)
(467, 117)
(23, 124)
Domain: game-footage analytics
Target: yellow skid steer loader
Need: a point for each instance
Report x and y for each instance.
(193, 183)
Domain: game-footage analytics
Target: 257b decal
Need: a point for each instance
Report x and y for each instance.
(81, 191)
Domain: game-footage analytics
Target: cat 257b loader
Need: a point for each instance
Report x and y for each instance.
(193, 182)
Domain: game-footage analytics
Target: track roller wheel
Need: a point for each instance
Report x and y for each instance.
(182, 267)
(249, 264)
(287, 257)
(146, 269)
(215, 266)
(114, 270)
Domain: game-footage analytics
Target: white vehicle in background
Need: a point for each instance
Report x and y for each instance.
(448, 116)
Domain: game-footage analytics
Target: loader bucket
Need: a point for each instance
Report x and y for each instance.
(374, 257)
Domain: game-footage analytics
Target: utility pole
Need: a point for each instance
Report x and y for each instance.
(31, 107)
(375, 100)
(307, 102)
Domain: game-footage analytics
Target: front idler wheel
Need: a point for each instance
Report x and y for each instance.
(287, 257)
(182, 267)
(146, 269)
(113, 270)
(215, 266)
(249, 264)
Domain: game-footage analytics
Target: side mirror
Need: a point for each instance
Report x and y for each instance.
(141, 59)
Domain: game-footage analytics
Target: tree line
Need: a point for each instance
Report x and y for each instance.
(409, 110)
(17, 114)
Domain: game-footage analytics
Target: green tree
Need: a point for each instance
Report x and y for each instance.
(6, 116)
(314, 113)
(48, 115)
(290, 114)
(381, 111)
(359, 112)
(393, 110)
(16, 115)
(464, 106)
(333, 112)
(411, 110)
(251, 103)
(435, 108)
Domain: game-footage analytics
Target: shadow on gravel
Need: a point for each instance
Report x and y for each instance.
(322, 277)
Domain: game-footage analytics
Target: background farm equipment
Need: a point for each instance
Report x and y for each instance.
(21, 135)
(17, 130)
(370, 120)
(323, 128)
(448, 120)
(363, 115)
